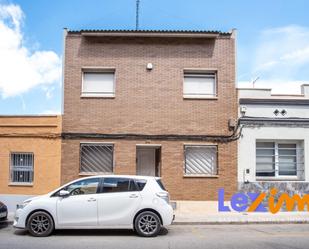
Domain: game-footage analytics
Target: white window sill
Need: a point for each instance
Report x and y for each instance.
(21, 184)
(200, 97)
(97, 95)
(282, 178)
(201, 176)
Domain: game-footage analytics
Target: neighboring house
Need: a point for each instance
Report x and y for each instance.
(273, 149)
(30, 151)
(159, 103)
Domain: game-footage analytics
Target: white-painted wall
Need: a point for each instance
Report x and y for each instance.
(268, 111)
(250, 133)
(246, 147)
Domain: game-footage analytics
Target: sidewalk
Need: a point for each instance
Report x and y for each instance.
(199, 213)
(241, 218)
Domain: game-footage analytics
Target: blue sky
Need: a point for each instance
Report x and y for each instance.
(273, 40)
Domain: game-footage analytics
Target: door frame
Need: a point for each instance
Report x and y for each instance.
(152, 146)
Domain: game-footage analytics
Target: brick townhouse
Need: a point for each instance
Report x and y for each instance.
(159, 103)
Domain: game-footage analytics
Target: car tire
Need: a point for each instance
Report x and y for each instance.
(40, 224)
(147, 224)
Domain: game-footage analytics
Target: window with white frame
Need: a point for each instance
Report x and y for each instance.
(200, 160)
(21, 166)
(98, 84)
(279, 159)
(96, 158)
(199, 85)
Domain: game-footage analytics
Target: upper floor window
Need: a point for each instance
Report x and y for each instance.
(199, 85)
(98, 84)
(22, 167)
(279, 159)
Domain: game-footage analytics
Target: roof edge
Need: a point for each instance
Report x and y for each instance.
(153, 33)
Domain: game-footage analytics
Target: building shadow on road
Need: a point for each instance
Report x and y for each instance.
(91, 232)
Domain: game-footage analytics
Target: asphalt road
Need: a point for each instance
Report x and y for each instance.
(281, 236)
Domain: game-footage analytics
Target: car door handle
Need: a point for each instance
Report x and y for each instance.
(91, 199)
(133, 196)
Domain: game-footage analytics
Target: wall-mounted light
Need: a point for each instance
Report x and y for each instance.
(149, 66)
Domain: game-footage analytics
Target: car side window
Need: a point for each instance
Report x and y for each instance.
(141, 184)
(113, 185)
(83, 187)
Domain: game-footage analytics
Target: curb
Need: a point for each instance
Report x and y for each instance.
(177, 223)
(199, 223)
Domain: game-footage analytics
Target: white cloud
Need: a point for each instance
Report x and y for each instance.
(281, 59)
(21, 69)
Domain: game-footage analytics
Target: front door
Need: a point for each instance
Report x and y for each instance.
(146, 161)
(80, 208)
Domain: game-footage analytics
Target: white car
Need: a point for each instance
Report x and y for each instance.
(107, 201)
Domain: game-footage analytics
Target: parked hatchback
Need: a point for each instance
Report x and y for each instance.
(3, 212)
(110, 201)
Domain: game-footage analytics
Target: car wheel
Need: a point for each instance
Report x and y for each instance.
(40, 224)
(147, 224)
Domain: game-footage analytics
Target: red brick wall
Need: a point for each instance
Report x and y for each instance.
(151, 102)
(172, 163)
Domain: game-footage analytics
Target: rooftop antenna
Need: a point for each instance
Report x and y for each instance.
(137, 15)
(255, 80)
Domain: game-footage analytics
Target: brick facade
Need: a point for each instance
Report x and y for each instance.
(152, 103)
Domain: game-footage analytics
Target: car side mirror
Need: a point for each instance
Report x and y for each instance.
(64, 193)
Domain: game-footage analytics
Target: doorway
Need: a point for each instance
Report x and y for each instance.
(148, 160)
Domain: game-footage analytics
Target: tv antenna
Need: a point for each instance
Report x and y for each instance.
(255, 80)
(137, 15)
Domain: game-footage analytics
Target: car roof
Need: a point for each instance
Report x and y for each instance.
(119, 176)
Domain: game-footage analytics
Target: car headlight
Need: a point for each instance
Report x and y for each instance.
(24, 204)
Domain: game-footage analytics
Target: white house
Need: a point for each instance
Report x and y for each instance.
(273, 150)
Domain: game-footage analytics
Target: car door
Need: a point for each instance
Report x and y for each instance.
(79, 209)
(118, 202)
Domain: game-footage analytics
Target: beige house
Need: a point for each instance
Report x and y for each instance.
(30, 156)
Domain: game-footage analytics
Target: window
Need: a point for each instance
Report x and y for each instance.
(83, 187)
(112, 185)
(96, 158)
(265, 159)
(199, 85)
(200, 160)
(140, 184)
(98, 84)
(22, 167)
(279, 159)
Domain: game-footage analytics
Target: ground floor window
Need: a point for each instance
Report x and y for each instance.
(21, 167)
(279, 158)
(200, 160)
(96, 158)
